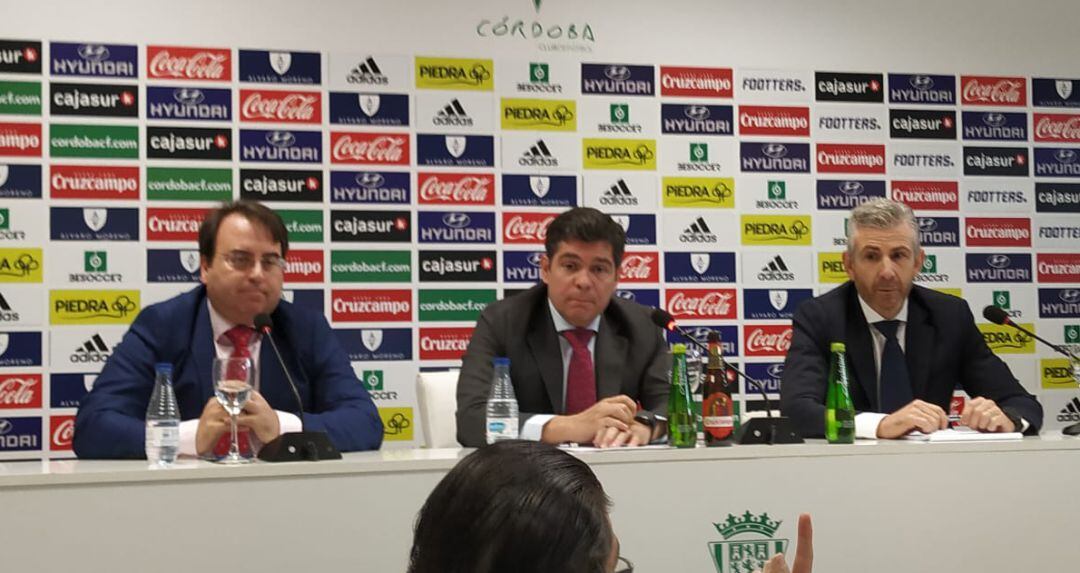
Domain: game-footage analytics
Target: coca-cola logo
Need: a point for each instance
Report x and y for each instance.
(20, 391)
(190, 64)
(471, 189)
(639, 267)
(63, 433)
(299, 107)
(761, 341)
(530, 227)
(991, 90)
(369, 148)
(702, 304)
(1053, 127)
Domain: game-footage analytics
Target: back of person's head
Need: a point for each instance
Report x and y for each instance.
(514, 506)
(587, 225)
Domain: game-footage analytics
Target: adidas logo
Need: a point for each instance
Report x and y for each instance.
(453, 115)
(776, 270)
(1071, 411)
(367, 72)
(93, 350)
(698, 232)
(619, 194)
(538, 156)
(6, 314)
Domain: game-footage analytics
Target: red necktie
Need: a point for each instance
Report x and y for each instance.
(240, 336)
(580, 376)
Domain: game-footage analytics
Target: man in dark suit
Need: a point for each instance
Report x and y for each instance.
(242, 247)
(908, 347)
(580, 360)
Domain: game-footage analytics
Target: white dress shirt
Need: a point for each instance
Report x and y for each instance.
(866, 423)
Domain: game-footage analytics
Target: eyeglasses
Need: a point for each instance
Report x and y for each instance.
(245, 261)
(624, 565)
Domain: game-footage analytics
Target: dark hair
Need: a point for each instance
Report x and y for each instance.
(252, 211)
(587, 225)
(514, 506)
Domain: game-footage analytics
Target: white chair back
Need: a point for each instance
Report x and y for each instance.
(436, 395)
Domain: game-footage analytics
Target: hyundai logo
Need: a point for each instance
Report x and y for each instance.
(5, 427)
(774, 150)
(998, 261)
(1065, 155)
(994, 119)
(370, 180)
(281, 139)
(1070, 295)
(926, 224)
(188, 96)
(93, 52)
(696, 112)
(625, 295)
(701, 332)
(921, 83)
(534, 259)
(456, 220)
(617, 73)
(777, 370)
(851, 188)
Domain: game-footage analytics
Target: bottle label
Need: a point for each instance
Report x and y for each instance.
(162, 436)
(718, 421)
(502, 429)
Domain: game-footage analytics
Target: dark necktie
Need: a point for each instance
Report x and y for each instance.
(580, 375)
(895, 382)
(240, 337)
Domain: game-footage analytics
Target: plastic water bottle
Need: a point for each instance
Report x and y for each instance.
(502, 406)
(162, 419)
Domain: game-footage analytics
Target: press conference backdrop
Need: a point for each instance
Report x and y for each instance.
(418, 150)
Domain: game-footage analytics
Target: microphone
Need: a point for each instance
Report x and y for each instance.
(293, 446)
(768, 430)
(999, 316)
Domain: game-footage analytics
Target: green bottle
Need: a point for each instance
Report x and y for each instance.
(682, 424)
(839, 411)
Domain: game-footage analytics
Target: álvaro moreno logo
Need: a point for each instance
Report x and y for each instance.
(748, 543)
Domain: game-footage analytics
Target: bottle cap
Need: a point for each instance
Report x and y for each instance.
(163, 367)
(838, 347)
(678, 348)
(500, 361)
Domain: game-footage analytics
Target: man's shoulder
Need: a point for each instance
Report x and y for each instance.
(940, 304)
(832, 303)
(630, 314)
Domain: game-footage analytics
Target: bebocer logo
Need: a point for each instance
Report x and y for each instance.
(94, 60)
(922, 124)
(281, 185)
(454, 74)
(370, 226)
(363, 305)
(280, 146)
(839, 86)
(269, 106)
(197, 64)
(1057, 162)
(620, 154)
(775, 229)
(20, 57)
(188, 143)
(699, 192)
(927, 195)
(847, 194)
(939, 231)
(850, 158)
(696, 119)
(984, 232)
(998, 267)
(774, 120)
(458, 266)
(201, 104)
(173, 224)
(774, 157)
(95, 269)
(93, 307)
(280, 67)
(369, 187)
(539, 114)
(1007, 161)
(96, 100)
(93, 182)
(617, 79)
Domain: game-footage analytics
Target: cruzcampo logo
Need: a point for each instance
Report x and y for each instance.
(454, 74)
(20, 98)
(188, 184)
(539, 114)
(20, 265)
(94, 141)
(1002, 299)
(93, 306)
(831, 268)
(539, 73)
(1057, 374)
(620, 113)
(777, 190)
(372, 379)
(453, 305)
(304, 226)
(748, 543)
(699, 153)
(397, 424)
(95, 261)
(370, 266)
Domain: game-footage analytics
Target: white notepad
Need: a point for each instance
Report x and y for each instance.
(962, 434)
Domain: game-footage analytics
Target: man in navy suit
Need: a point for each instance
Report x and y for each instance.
(242, 247)
(908, 347)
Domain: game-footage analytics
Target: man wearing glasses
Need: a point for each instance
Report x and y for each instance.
(586, 367)
(242, 247)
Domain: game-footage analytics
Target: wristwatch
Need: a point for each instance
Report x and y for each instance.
(646, 417)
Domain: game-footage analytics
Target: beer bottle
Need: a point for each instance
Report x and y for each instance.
(682, 432)
(717, 407)
(839, 411)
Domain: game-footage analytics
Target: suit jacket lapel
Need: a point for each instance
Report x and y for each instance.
(860, 349)
(610, 351)
(547, 354)
(203, 351)
(918, 345)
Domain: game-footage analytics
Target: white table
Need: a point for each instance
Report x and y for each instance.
(882, 507)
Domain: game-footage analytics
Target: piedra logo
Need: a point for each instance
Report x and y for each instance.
(93, 307)
(748, 543)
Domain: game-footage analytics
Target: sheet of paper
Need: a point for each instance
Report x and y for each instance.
(962, 434)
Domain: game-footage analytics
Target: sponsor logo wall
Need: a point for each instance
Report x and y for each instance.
(417, 189)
